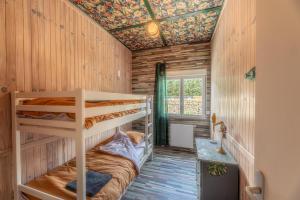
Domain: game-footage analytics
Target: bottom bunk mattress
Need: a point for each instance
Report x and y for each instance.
(122, 170)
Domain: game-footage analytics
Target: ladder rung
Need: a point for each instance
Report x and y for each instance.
(150, 135)
(150, 124)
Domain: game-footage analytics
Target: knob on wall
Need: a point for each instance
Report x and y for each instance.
(3, 88)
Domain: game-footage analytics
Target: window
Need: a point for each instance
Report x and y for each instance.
(186, 95)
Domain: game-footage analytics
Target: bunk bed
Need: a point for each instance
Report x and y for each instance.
(77, 114)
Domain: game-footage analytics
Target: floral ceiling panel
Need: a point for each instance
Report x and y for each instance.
(137, 38)
(180, 21)
(170, 8)
(112, 14)
(194, 28)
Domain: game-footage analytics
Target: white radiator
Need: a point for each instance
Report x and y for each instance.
(182, 135)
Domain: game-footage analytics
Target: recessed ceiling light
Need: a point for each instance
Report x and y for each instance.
(152, 29)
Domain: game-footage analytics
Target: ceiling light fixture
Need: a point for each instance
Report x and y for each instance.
(152, 29)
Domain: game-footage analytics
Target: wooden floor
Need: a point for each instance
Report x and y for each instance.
(170, 176)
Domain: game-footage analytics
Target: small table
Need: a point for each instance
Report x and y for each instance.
(220, 184)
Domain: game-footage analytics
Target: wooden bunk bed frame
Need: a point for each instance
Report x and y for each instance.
(74, 129)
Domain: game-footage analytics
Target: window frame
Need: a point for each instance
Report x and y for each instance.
(181, 78)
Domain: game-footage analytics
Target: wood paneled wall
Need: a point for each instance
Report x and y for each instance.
(180, 57)
(51, 45)
(233, 97)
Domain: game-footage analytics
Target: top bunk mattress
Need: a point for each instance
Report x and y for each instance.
(71, 102)
(89, 122)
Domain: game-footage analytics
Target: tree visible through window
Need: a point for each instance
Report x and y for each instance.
(185, 96)
(173, 92)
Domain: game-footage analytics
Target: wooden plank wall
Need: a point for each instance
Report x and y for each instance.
(180, 57)
(51, 45)
(233, 97)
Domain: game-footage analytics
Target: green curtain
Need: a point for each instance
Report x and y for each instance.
(160, 106)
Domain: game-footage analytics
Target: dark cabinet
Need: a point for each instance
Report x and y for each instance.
(217, 174)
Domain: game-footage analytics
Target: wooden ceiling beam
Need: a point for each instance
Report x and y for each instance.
(151, 13)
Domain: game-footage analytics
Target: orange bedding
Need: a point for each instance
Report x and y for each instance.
(89, 122)
(122, 170)
(71, 102)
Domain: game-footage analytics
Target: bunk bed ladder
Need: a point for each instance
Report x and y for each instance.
(149, 127)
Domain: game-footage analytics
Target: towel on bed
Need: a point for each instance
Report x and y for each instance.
(94, 182)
